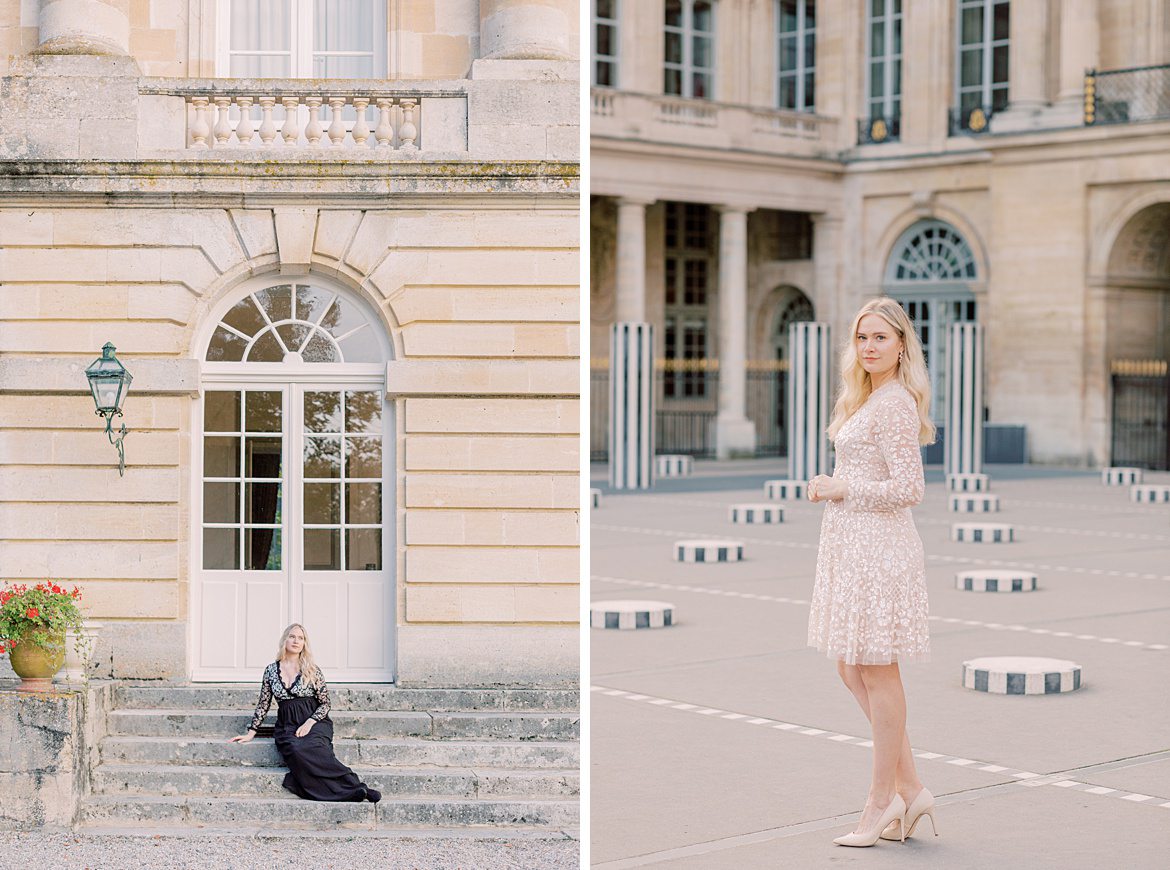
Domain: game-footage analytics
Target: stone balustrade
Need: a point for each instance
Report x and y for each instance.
(310, 113)
(669, 120)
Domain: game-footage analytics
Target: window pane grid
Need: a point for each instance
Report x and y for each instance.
(983, 73)
(689, 57)
(796, 55)
(605, 43)
(884, 69)
(351, 419)
(249, 424)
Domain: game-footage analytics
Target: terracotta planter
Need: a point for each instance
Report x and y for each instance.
(35, 665)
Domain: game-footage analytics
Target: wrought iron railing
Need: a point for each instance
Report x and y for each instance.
(1141, 413)
(1127, 96)
(971, 121)
(881, 128)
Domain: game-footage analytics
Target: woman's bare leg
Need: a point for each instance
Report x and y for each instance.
(906, 776)
(887, 714)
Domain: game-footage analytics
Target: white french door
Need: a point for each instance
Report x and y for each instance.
(293, 527)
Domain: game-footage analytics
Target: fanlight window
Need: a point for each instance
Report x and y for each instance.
(295, 323)
(932, 251)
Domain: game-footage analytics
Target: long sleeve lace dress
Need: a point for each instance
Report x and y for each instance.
(314, 773)
(869, 602)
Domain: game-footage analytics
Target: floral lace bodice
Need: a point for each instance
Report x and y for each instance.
(878, 452)
(272, 686)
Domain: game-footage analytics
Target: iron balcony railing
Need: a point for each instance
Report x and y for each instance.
(879, 128)
(970, 121)
(1127, 96)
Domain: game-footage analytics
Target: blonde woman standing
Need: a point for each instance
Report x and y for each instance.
(304, 731)
(869, 603)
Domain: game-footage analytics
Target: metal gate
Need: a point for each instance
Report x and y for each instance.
(1141, 413)
(687, 399)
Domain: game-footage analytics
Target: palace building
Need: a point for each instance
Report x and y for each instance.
(336, 245)
(760, 163)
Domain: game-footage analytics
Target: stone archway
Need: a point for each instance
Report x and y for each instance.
(1137, 339)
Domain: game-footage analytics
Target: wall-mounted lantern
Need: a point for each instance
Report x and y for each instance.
(109, 381)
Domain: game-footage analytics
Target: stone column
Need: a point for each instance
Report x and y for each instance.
(527, 29)
(808, 400)
(1027, 67)
(735, 434)
(631, 260)
(1079, 48)
(631, 406)
(964, 416)
(828, 262)
(84, 27)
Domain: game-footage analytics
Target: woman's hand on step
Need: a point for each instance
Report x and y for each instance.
(243, 738)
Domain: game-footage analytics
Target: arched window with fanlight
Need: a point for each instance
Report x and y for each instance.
(932, 272)
(294, 519)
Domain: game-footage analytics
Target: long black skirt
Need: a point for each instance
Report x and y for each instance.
(314, 773)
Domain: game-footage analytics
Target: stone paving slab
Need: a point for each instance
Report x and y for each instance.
(673, 779)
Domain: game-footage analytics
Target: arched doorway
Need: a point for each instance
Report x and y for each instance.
(767, 376)
(293, 483)
(931, 272)
(1137, 339)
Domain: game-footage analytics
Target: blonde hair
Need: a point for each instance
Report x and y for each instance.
(856, 384)
(310, 673)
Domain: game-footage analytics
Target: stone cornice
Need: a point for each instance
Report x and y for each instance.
(317, 177)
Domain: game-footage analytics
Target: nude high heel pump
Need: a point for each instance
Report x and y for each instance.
(896, 811)
(922, 805)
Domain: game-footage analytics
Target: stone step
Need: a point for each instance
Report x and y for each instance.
(227, 696)
(395, 752)
(139, 811)
(369, 724)
(167, 780)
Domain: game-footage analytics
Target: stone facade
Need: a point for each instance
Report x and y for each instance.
(1064, 221)
(132, 205)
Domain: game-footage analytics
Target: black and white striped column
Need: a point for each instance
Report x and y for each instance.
(964, 416)
(808, 400)
(631, 406)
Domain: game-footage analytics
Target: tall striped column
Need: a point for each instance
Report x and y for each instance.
(631, 406)
(808, 400)
(964, 417)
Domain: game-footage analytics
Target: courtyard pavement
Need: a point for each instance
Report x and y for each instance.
(724, 742)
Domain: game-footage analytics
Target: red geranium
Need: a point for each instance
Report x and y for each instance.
(41, 614)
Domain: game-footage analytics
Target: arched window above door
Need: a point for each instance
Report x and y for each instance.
(931, 251)
(294, 322)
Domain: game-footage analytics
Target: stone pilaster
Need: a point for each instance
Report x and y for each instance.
(631, 260)
(1027, 68)
(735, 434)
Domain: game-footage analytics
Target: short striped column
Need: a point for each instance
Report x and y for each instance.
(670, 465)
(1150, 493)
(1021, 675)
(631, 614)
(1121, 476)
(595, 497)
(757, 513)
(968, 482)
(631, 406)
(974, 503)
(995, 580)
(783, 490)
(964, 414)
(708, 551)
(808, 400)
(982, 533)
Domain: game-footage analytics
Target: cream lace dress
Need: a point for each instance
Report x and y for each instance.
(869, 603)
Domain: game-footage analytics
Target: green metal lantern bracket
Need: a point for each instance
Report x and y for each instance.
(108, 382)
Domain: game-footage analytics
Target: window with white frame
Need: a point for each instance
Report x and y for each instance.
(689, 57)
(796, 54)
(884, 70)
(689, 268)
(302, 39)
(605, 43)
(982, 75)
